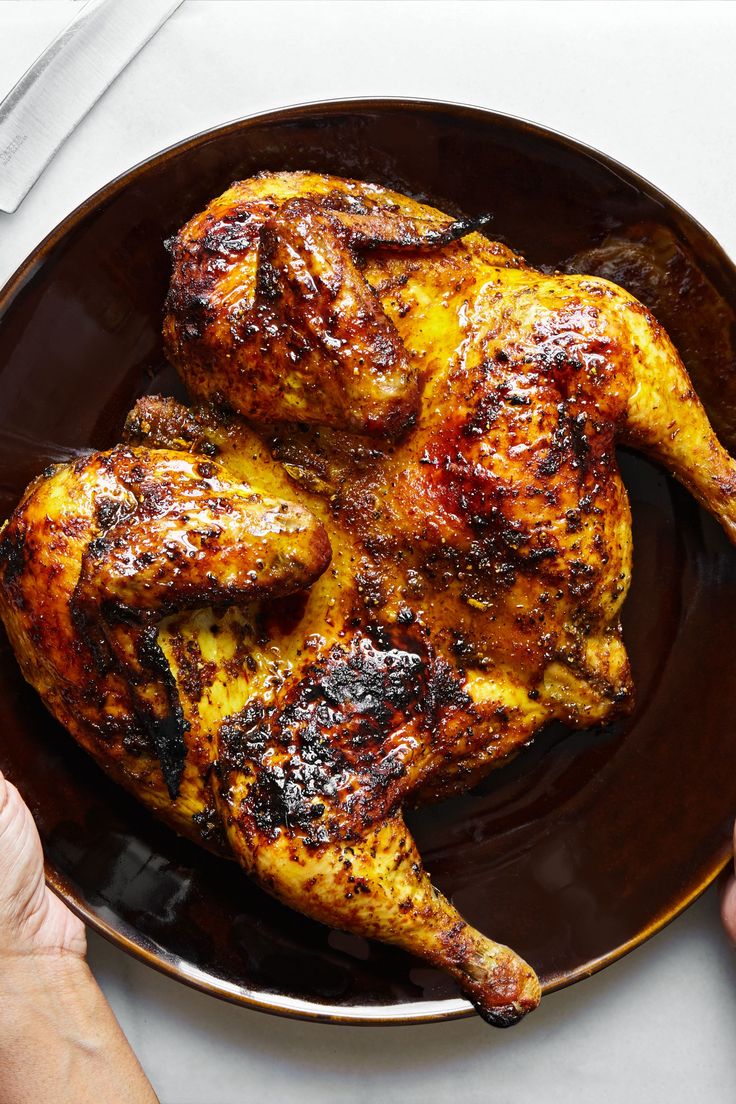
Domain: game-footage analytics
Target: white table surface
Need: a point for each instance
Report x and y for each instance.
(652, 84)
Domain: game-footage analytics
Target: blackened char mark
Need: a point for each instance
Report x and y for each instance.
(210, 829)
(371, 687)
(569, 444)
(111, 511)
(13, 554)
(166, 734)
(326, 755)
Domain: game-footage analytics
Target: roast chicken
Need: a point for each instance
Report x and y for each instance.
(387, 542)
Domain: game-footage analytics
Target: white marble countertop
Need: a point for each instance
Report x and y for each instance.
(652, 84)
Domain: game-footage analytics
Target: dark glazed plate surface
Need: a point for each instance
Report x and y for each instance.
(588, 842)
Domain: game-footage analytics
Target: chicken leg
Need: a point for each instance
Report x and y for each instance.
(375, 884)
(665, 419)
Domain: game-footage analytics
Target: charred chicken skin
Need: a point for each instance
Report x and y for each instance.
(388, 543)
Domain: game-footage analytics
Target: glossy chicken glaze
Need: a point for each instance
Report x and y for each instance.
(479, 531)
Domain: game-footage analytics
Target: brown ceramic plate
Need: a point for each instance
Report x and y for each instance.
(588, 842)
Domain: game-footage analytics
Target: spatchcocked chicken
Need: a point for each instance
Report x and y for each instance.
(387, 543)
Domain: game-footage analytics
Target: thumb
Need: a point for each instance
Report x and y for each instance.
(21, 857)
(728, 904)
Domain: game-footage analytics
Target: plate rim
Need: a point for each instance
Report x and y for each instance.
(16, 281)
(435, 1011)
(408, 1013)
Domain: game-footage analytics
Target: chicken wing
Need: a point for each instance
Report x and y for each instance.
(98, 552)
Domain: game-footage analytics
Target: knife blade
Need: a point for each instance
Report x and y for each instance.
(65, 82)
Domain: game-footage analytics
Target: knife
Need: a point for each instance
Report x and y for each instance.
(61, 86)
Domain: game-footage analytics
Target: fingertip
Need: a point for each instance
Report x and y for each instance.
(728, 909)
(8, 793)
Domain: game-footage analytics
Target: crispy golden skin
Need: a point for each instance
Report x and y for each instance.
(448, 417)
(97, 554)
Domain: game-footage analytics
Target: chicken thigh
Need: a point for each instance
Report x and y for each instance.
(378, 383)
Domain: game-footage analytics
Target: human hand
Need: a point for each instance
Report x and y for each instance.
(32, 919)
(59, 1039)
(728, 902)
